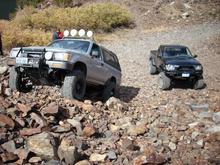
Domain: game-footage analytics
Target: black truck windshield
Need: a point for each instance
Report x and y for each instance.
(176, 51)
(77, 45)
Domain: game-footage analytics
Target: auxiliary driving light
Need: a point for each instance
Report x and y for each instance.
(89, 33)
(81, 32)
(66, 33)
(73, 32)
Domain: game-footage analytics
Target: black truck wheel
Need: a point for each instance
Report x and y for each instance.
(164, 81)
(74, 85)
(109, 90)
(152, 68)
(18, 82)
(199, 84)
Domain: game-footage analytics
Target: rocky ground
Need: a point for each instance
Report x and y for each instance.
(144, 126)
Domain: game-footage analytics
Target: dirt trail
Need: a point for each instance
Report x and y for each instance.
(139, 87)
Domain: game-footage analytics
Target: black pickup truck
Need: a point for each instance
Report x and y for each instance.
(175, 62)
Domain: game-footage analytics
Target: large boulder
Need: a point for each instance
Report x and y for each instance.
(68, 152)
(115, 104)
(41, 145)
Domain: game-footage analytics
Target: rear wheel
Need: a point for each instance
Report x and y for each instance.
(74, 85)
(152, 68)
(164, 81)
(109, 90)
(199, 84)
(18, 82)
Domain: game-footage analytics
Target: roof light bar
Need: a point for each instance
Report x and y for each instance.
(80, 33)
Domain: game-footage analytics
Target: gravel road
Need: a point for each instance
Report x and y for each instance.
(140, 88)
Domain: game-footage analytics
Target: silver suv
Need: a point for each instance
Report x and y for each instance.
(71, 63)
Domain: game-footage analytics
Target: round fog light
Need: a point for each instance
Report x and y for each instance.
(48, 55)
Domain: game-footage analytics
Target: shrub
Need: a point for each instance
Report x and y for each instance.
(98, 16)
(63, 3)
(31, 26)
(23, 3)
(16, 37)
(3, 25)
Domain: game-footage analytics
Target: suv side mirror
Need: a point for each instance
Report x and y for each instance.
(194, 56)
(95, 53)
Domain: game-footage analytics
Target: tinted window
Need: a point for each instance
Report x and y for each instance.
(111, 59)
(80, 46)
(96, 48)
(175, 51)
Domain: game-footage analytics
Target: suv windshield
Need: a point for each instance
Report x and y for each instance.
(77, 45)
(176, 51)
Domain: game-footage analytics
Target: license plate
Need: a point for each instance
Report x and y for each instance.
(22, 60)
(33, 61)
(185, 74)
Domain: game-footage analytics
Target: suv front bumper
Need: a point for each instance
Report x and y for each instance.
(50, 64)
(184, 74)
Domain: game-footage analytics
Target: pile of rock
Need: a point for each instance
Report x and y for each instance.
(69, 132)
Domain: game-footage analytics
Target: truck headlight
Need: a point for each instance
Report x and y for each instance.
(14, 53)
(62, 56)
(198, 67)
(48, 55)
(170, 67)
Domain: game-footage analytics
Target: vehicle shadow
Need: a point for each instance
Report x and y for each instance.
(183, 84)
(127, 93)
(124, 93)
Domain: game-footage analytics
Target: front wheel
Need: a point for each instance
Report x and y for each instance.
(164, 81)
(74, 85)
(109, 90)
(18, 82)
(199, 84)
(152, 68)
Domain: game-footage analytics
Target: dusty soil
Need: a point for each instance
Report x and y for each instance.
(133, 51)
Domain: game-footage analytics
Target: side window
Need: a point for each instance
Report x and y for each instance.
(96, 51)
(110, 59)
(117, 62)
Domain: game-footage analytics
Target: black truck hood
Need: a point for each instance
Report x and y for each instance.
(181, 60)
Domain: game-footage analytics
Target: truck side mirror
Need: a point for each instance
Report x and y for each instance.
(194, 56)
(95, 53)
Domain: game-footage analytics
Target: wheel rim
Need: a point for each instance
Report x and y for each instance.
(112, 92)
(79, 87)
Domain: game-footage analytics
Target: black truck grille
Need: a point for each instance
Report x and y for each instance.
(186, 68)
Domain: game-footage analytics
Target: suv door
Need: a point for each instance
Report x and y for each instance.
(96, 67)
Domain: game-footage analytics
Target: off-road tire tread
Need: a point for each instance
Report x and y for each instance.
(69, 82)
